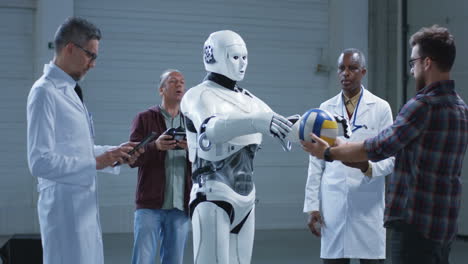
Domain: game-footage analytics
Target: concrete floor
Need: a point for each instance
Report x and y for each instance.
(271, 247)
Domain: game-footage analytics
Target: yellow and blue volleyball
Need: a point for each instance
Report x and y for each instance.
(319, 122)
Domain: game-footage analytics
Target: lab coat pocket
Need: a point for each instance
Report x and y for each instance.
(333, 204)
(46, 200)
(366, 206)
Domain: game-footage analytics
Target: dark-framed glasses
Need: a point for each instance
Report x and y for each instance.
(91, 55)
(412, 61)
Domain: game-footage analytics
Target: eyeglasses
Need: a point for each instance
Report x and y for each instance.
(411, 62)
(91, 55)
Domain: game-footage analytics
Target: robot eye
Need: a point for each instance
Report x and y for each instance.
(236, 57)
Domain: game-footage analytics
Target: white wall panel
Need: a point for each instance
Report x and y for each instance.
(17, 3)
(383, 52)
(17, 187)
(285, 40)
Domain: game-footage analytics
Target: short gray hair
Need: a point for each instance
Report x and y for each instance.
(75, 30)
(361, 56)
(165, 75)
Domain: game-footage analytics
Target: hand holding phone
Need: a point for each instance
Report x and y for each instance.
(142, 144)
(177, 134)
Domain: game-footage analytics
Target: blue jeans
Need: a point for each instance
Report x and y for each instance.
(170, 227)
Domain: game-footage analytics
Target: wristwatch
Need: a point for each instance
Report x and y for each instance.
(327, 155)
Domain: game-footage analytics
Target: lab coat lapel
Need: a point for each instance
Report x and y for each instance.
(336, 105)
(64, 83)
(71, 95)
(365, 105)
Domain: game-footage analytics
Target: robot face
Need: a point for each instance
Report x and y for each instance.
(225, 53)
(236, 62)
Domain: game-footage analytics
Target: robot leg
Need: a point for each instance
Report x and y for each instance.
(241, 244)
(211, 226)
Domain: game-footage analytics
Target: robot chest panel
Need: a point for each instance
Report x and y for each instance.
(237, 102)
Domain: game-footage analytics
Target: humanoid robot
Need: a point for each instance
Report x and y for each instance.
(225, 125)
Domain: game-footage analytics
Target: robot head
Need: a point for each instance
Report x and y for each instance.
(225, 53)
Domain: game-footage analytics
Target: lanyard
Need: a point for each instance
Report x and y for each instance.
(354, 126)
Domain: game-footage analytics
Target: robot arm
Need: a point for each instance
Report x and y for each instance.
(220, 118)
(222, 128)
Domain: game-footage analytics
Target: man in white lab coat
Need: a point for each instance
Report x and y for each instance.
(61, 150)
(345, 202)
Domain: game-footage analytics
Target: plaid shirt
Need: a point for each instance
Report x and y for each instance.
(429, 139)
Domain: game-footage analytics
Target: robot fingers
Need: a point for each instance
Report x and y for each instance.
(282, 125)
(280, 131)
(276, 131)
(344, 129)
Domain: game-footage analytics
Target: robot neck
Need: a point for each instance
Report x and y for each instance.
(221, 80)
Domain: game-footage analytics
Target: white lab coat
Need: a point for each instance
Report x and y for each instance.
(61, 154)
(351, 204)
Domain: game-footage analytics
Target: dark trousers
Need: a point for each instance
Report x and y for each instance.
(347, 261)
(410, 247)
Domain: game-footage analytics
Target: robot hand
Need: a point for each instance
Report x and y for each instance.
(280, 128)
(276, 125)
(344, 129)
(293, 136)
(294, 118)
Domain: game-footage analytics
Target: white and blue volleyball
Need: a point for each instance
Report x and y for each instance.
(319, 122)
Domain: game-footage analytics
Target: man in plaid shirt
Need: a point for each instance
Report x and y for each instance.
(429, 139)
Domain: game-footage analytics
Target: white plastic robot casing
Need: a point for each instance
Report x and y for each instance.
(225, 53)
(210, 99)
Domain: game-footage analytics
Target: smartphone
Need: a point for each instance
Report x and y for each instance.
(142, 143)
(179, 136)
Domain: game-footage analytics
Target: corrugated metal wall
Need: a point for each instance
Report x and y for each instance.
(17, 187)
